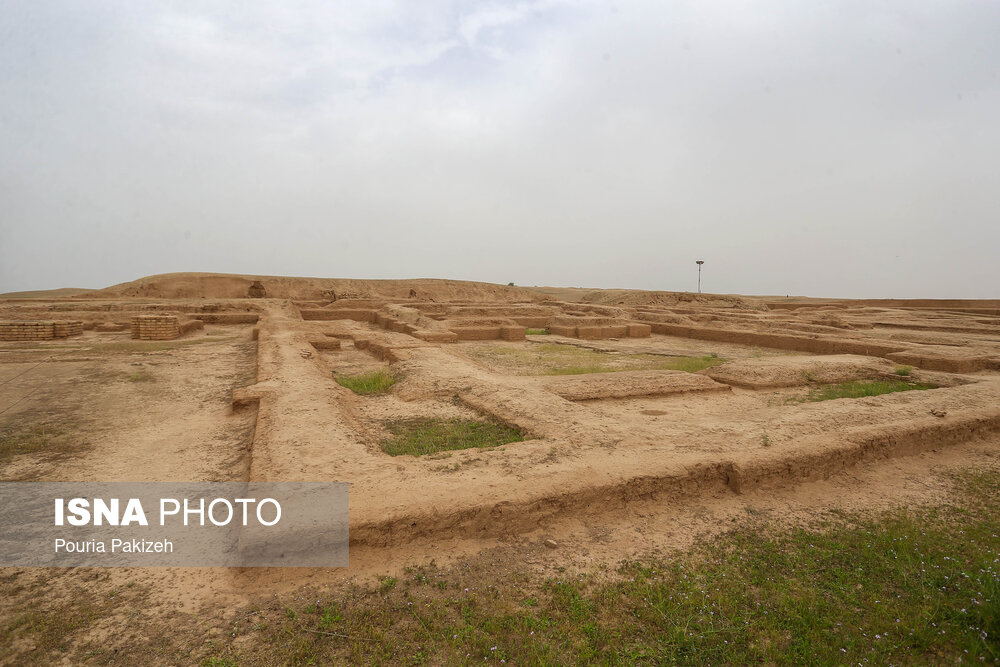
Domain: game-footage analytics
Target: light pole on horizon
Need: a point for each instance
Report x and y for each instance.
(699, 262)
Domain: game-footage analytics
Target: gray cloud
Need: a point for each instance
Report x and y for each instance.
(829, 149)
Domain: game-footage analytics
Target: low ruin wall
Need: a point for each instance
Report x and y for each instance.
(329, 314)
(39, 330)
(227, 318)
(155, 327)
(502, 332)
(782, 341)
(598, 331)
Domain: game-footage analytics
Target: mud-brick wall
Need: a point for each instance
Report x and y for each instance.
(39, 330)
(67, 329)
(155, 327)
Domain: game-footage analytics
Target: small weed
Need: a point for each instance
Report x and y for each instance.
(141, 376)
(372, 382)
(331, 615)
(536, 332)
(386, 584)
(904, 371)
(765, 440)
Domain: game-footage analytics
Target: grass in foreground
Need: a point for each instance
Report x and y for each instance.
(906, 586)
(860, 389)
(426, 436)
(561, 359)
(57, 625)
(37, 438)
(373, 382)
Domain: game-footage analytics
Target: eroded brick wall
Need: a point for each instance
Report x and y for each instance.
(155, 327)
(27, 330)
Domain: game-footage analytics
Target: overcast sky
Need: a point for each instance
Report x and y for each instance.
(819, 148)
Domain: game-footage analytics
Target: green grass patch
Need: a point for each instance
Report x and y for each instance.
(686, 364)
(691, 364)
(536, 332)
(426, 436)
(860, 389)
(908, 586)
(44, 439)
(562, 359)
(373, 382)
(903, 371)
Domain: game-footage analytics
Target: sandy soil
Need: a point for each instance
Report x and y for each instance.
(131, 413)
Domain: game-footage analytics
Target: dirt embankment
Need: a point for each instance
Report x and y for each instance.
(231, 286)
(635, 297)
(60, 293)
(933, 304)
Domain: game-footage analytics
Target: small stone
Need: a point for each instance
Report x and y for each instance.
(551, 544)
(939, 412)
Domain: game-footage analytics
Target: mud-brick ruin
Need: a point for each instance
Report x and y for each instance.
(39, 330)
(161, 327)
(155, 327)
(593, 441)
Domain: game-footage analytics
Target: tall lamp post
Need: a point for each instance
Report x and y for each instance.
(699, 262)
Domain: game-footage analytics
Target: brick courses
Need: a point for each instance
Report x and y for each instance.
(26, 330)
(155, 327)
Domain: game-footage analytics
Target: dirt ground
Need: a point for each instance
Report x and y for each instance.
(636, 460)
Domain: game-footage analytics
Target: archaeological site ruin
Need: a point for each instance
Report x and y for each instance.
(614, 396)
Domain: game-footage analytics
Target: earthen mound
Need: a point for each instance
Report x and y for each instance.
(230, 286)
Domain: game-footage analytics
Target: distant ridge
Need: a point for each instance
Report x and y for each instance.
(62, 292)
(234, 286)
